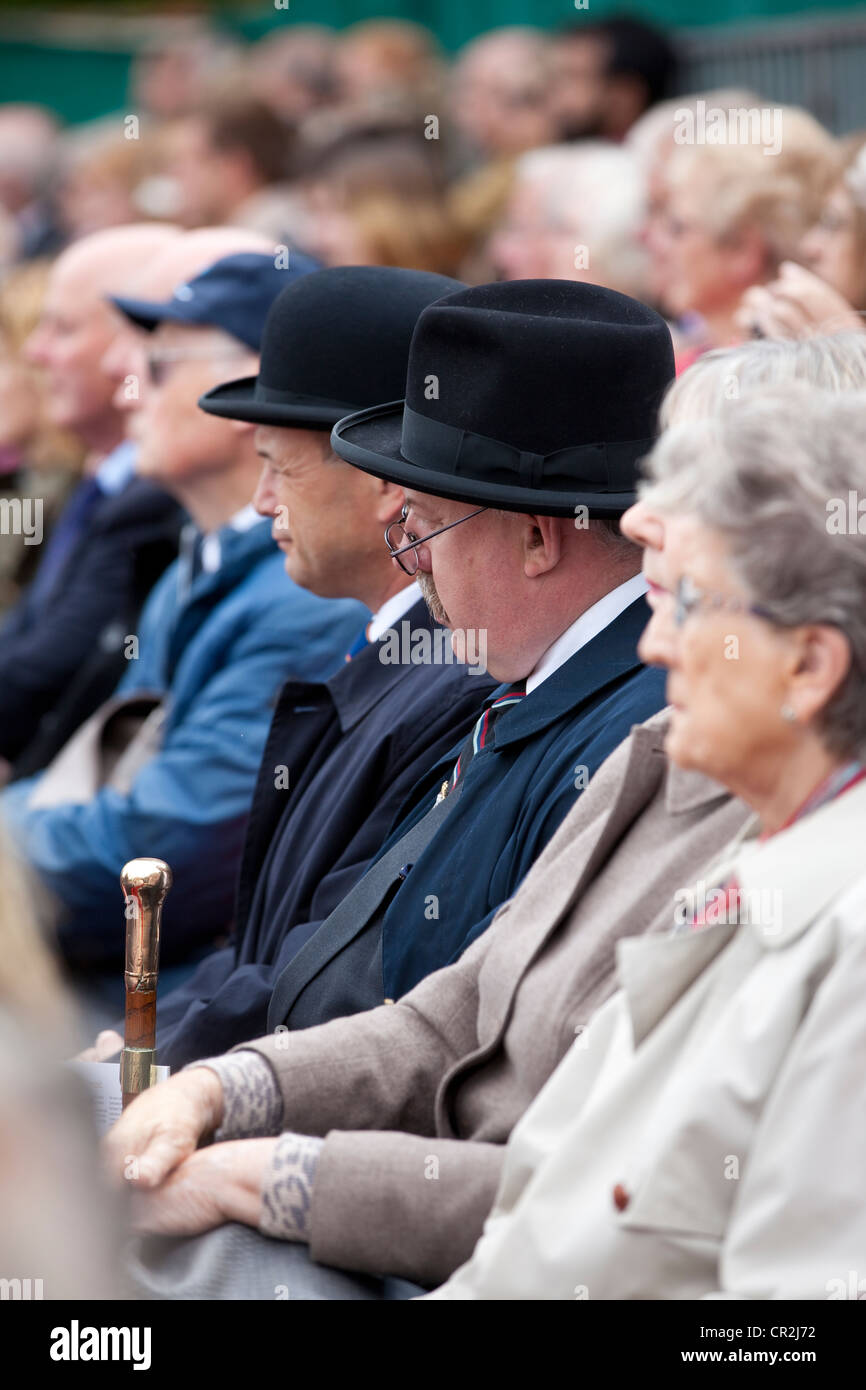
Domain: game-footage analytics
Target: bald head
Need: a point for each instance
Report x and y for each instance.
(188, 255)
(182, 259)
(104, 262)
(500, 91)
(77, 326)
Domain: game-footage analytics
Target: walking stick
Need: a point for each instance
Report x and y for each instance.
(145, 883)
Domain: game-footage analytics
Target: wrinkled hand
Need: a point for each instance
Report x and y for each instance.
(107, 1045)
(212, 1186)
(163, 1126)
(796, 305)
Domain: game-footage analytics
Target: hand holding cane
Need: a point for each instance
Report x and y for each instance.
(145, 883)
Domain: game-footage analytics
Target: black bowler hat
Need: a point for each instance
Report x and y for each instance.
(532, 396)
(335, 341)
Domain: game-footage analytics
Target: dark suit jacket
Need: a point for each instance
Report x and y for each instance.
(58, 663)
(352, 748)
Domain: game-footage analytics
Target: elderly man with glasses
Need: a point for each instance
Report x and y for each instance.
(541, 574)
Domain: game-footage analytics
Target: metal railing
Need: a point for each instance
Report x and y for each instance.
(816, 62)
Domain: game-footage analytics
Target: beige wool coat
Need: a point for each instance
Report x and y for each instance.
(708, 1138)
(417, 1099)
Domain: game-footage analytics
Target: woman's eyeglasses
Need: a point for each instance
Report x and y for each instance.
(689, 598)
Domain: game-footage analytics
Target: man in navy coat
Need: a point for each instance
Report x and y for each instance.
(344, 753)
(528, 406)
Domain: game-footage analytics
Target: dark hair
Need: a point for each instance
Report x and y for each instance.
(250, 126)
(634, 49)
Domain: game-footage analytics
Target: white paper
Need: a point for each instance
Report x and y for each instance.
(103, 1079)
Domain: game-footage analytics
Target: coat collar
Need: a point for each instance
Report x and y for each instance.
(613, 653)
(361, 683)
(808, 865)
(801, 870)
(654, 971)
(239, 552)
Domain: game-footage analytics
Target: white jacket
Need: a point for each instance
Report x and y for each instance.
(721, 1092)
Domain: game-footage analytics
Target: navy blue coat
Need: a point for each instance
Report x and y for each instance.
(516, 792)
(354, 748)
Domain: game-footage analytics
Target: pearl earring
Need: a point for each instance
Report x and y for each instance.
(788, 714)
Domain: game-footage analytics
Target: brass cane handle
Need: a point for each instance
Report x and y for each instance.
(145, 883)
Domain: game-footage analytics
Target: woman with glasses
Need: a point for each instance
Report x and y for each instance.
(705, 1137)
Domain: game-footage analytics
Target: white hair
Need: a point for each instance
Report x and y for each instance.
(598, 190)
(773, 476)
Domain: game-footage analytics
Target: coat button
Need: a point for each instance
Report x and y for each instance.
(621, 1198)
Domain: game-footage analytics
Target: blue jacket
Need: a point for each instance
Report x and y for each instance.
(359, 743)
(516, 792)
(220, 652)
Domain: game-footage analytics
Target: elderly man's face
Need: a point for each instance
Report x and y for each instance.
(474, 581)
(177, 440)
(75, 329)
(328, 517)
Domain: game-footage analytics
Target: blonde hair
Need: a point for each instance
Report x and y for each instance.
(415, 233)
(739, 185)
(22, 293)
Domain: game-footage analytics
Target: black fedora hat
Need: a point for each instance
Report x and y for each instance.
(335, 340)
(532, 396)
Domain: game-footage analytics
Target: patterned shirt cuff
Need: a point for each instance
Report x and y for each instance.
(287, 1191)
(252, 1104)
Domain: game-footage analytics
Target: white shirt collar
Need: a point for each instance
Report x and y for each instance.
(117, 468)
(392, 609)
(211, 550)
(584, 628)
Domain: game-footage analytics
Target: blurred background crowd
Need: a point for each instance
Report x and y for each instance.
(527, 152)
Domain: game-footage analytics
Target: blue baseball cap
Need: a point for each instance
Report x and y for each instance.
(234, 294)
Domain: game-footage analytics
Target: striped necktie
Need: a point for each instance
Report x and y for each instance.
(480, 736)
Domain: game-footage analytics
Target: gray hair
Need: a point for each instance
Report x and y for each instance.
(833, 362)
(770, 476)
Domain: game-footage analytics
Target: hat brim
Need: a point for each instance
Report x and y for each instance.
(144, 313)
(370, 440)
(237, 400)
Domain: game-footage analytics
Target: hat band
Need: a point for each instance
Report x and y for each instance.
(269, 395)
(603, 467)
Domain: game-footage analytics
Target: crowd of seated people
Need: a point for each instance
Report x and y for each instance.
(431, 524)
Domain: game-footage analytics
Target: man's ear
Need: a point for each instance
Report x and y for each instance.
(823, 662)
(542, 544)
